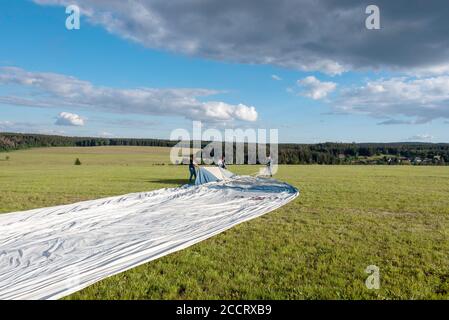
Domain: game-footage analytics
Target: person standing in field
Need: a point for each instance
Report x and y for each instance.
(192, 169)
(269, 166)
(222, 163)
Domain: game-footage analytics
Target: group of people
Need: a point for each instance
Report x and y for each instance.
(221, 163)
(193, 166)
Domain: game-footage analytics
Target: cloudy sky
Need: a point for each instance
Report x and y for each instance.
(310, 68)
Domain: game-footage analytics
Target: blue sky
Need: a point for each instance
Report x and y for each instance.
(114, 81)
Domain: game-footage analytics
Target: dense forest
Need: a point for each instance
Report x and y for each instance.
(323, 153)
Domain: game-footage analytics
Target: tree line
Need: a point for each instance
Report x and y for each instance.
(322, 153)
(365, 153)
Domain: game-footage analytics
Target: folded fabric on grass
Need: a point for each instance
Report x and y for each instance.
(52, 252)
(212, 174)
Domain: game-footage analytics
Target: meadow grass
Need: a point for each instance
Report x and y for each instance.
(316, 247)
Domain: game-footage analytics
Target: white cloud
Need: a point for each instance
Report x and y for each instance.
(421, 137)
(314, 88)
(56, 90)
(27, 127)
(223, 111)
(69, 119)
(394, 122)
(327, 66)
(276, 77)
(48, 131)
(6, 124)
(422, 99)
(105, 134)
(16, 126)
(428, 71)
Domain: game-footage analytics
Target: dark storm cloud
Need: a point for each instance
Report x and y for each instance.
(325, 35)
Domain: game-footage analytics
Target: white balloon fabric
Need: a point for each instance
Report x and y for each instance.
(52, 252)
(212, 174)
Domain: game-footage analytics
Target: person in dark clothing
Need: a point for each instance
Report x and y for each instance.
(269, 167)
(192, 169)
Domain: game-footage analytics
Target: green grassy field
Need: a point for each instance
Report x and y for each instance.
(316, 247)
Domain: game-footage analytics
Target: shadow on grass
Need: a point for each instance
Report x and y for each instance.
(170, 181)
